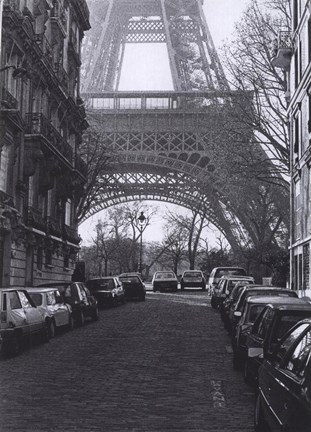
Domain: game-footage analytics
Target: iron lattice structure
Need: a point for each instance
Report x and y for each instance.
(187, 146)
(180, 24)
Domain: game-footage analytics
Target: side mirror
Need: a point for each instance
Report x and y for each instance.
(237, 314)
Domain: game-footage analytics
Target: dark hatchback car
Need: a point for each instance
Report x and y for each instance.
(271, 325)
(77, 295)
(192, 279)
(107, 290)
(133, 286)
(284, 397)
(235, 310)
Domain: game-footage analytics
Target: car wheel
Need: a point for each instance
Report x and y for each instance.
(182, 287)
(143, 298)
(203, 287)
(213, 304)
(260, 424)
(80, 320)
(95, 315)
(52, 329)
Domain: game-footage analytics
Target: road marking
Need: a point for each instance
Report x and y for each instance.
(219, 400)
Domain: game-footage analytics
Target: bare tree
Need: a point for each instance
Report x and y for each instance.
(248, 62)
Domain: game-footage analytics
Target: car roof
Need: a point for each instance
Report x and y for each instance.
(278, 302)
(239, 278)
(41, 289)
(129, 274)
(54, 283)
(193, 271)
(102, 278)
(13, 288)
(228, 268)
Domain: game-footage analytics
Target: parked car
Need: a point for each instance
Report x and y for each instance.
(51, 301)
(164, 281)
(218, 272)
(133, 286)
(76, 294)
(284, 396)
(230, 301)
(224, 288)
(252, 308)
(235, 310)
(274, 321)
(21, 321)
(108, 290)
(192, 279)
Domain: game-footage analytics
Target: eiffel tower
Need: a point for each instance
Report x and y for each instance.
(182, 146)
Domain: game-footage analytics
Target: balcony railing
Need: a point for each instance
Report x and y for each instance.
(71, 234)
(80, 166)
(61, 75)
(7, 100)
(45, 46)
(33, 218)
(281, 51)
(53, 227)
(38, 124)
(58, 16)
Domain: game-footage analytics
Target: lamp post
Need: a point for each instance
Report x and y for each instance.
(141, 224)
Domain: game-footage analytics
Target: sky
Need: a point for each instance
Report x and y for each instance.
(154, 74)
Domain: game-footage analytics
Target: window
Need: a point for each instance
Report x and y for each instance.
(298, 359)
(48, 257)
(39, 258)
(4, 166)
(14, 300)
(68, 213)
(37, 298)
(265, 323)
(50, 298)
(24, 300)
(288, 342)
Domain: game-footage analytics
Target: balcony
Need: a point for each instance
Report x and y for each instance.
(45, 46)
(7, 100)
(62, 76)
(281, 52)
(83, 13)
(70, 234)
(80, 166)
(38, 124)
(33, 218)
(73, 48)
(53, 227)
(59, 18)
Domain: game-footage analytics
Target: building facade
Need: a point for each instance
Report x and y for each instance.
(41, 123)
(293, 54)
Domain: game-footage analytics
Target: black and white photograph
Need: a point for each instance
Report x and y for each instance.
(155, 215)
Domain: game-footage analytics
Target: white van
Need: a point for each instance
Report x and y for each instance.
(218, 272)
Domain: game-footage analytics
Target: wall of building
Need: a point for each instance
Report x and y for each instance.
(41, 124)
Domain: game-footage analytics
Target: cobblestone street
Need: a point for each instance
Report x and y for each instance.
(160, 365)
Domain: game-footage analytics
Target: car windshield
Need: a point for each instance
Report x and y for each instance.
(37, 298)
(166, 275)
(193, 275)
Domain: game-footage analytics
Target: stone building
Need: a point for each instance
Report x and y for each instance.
(293, 54)
(41, 123)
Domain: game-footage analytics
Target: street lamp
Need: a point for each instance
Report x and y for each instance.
(141, 223)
